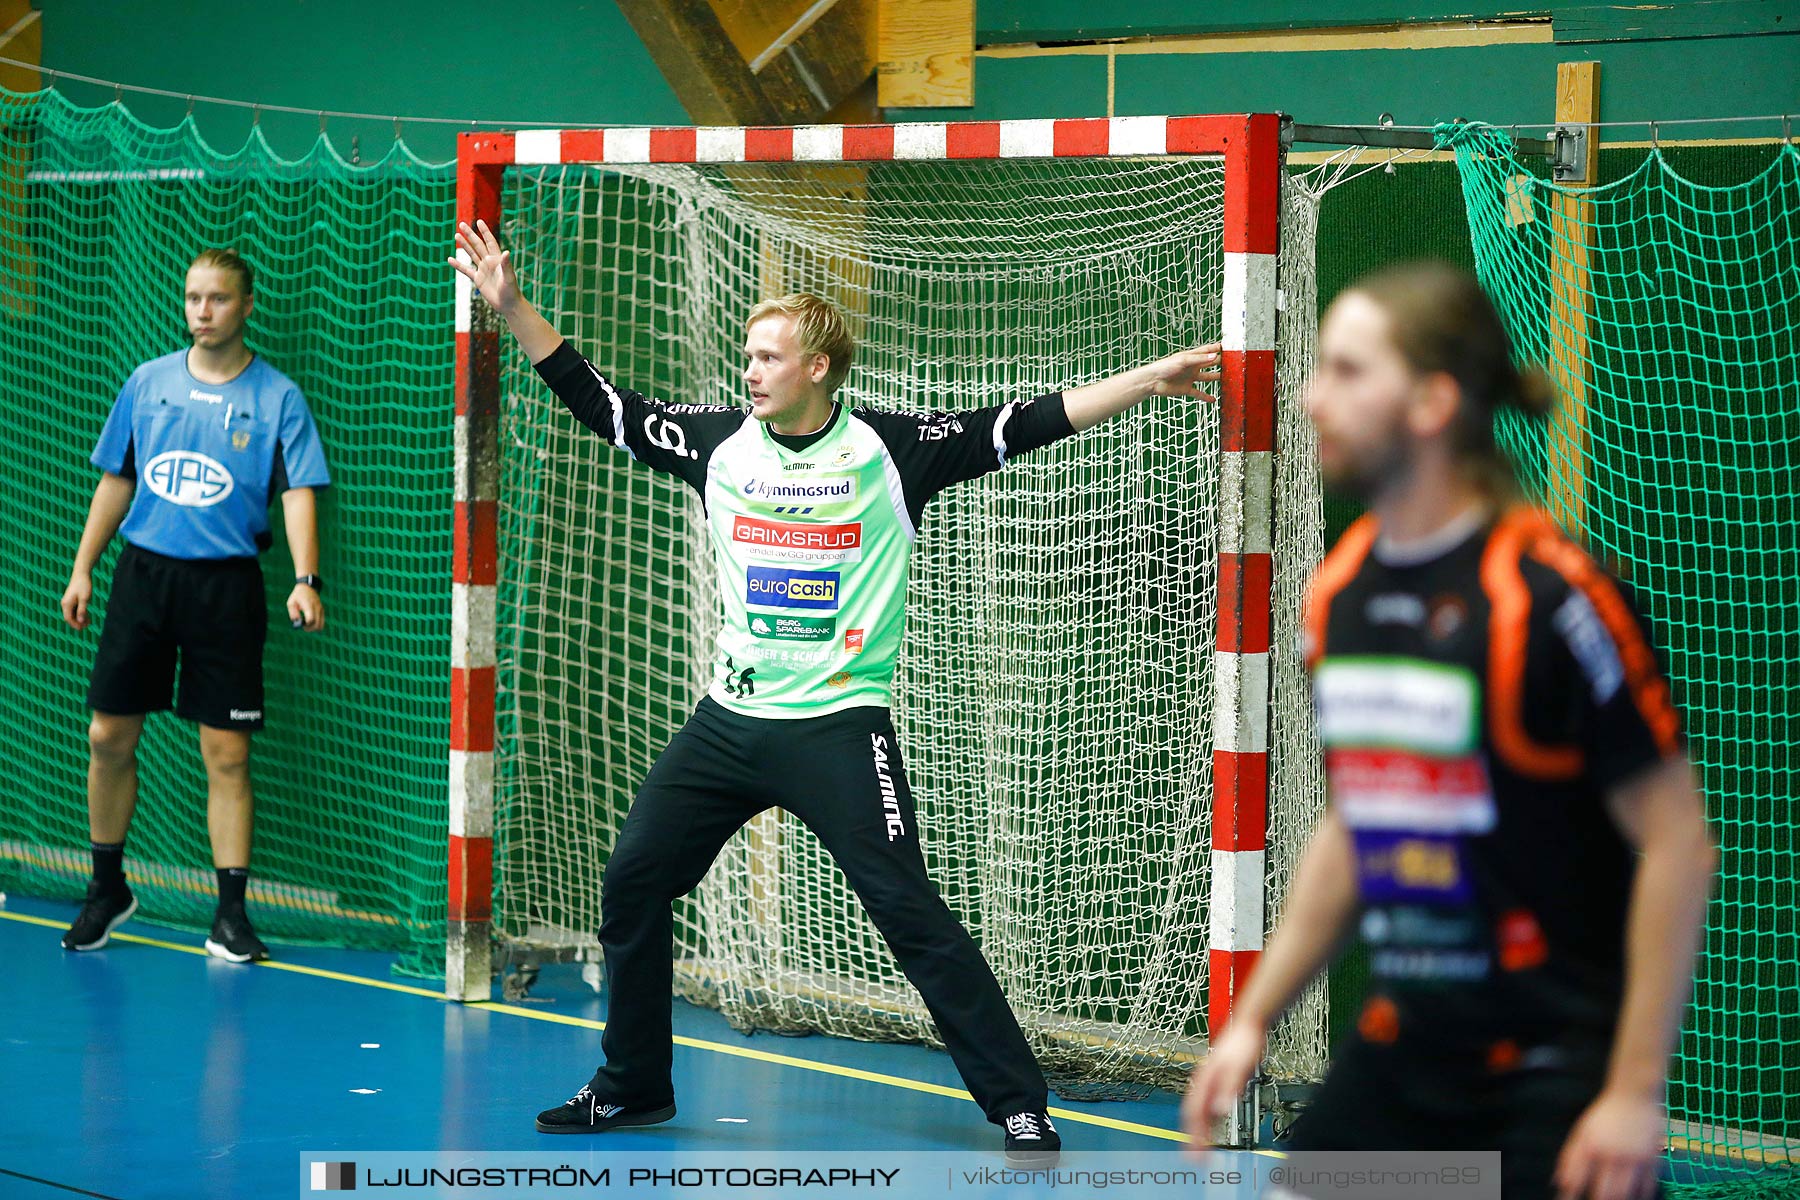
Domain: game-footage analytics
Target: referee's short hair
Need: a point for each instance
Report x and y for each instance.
(819, 325)
(227, 260)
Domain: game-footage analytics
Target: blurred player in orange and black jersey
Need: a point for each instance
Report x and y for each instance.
(1513, 826)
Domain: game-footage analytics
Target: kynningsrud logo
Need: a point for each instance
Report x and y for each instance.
(189, 479)
(825, 491)
(333, 1177)
(778, 587)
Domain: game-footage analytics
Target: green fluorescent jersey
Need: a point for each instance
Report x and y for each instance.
(811, 536)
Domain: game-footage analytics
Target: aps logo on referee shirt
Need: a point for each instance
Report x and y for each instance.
(187, 478)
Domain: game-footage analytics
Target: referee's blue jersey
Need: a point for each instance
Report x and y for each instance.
(208, 456)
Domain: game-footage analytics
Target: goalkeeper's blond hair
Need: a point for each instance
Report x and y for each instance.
(820, 328)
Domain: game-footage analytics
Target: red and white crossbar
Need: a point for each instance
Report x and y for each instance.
(1250, 146)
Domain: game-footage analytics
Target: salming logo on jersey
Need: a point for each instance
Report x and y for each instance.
(779, 587)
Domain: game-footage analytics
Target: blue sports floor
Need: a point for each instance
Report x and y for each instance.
(147, 1069)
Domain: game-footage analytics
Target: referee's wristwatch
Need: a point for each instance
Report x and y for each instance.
(315, 582)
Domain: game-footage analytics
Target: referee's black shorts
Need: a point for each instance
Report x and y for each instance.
(210, 614)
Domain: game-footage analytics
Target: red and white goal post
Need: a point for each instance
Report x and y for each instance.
(1198, 817)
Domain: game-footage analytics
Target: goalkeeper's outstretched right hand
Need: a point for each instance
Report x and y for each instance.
(488, 268)
(489, 271)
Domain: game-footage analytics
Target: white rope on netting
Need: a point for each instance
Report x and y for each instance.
(192, 98)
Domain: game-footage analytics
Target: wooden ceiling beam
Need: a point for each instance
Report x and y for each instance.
(739, 62)
(22, 39)
(926, 54)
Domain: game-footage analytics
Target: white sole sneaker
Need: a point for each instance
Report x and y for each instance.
(106, 934)
(218, 950)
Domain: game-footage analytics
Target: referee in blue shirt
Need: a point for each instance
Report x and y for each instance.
(197, 443)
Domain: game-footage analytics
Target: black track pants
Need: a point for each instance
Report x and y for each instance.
(841, 775)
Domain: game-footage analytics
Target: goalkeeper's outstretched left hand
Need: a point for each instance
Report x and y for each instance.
(1183, 374)
(1187, 373)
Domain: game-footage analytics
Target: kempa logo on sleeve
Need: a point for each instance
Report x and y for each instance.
(804, 543)
(187, 478)
(779, 587)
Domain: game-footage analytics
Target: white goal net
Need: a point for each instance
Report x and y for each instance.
(1054, 700)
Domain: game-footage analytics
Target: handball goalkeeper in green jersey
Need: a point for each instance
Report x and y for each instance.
(812, 508)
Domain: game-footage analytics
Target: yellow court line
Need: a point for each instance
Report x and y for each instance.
(1729, 1153)
(261, 894)
(782, 1060)
(200, 951)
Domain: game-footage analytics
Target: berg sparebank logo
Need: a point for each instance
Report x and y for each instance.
(187, 478)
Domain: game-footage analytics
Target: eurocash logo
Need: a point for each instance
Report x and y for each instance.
(778, 587)
(333, 1177)
(794, 629)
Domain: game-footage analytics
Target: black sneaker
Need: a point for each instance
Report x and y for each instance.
(1031, 1138)
(104, 912)
(585, 1112)
(233, 940)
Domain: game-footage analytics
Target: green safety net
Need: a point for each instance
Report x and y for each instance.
(1667, 312)
(99, 216)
